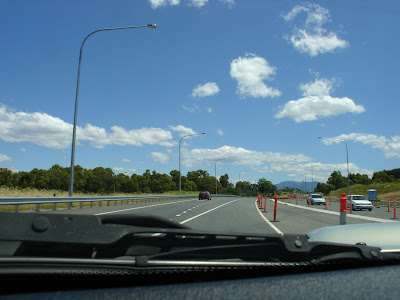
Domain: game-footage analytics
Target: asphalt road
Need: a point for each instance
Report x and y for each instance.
(242, 215)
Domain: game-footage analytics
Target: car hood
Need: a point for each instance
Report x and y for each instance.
(362, 201)
(382, 235)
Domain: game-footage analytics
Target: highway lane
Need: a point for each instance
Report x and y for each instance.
(222, 214)
(240, 215)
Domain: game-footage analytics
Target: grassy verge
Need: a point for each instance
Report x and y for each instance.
(384, 190)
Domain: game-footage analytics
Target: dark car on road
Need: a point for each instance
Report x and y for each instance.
(205, 195)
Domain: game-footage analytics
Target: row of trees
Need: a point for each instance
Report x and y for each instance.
(337, 181)
(104, 181)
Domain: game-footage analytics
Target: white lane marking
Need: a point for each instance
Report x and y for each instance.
(338, 214)
(266, 220)
(141, 207)
(206, 212)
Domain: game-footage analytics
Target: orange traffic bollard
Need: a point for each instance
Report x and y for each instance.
(388, 205)
(275, 206)
(343, 208)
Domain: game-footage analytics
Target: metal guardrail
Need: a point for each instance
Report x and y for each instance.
(17, 201)
(37, 201)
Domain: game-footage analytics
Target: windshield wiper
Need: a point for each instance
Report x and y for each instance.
(152, 241)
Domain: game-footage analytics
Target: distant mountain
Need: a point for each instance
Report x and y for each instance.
(309, 186)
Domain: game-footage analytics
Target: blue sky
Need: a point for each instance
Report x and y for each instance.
(262, 79)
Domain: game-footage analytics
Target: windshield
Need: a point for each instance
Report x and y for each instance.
(278, 109)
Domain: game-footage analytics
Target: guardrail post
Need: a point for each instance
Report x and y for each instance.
(37, 209)
(54, 206)
(16, 208)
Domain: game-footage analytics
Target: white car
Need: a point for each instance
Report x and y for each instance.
(315, 199)
(358, 202)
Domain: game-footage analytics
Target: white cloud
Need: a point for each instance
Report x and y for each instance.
(160, 157)
(250, 72)
(220, 132)
(4, 158)
(38, 128)
(239, 156)
(124, 171)
(138, 137)
(317, 103)
(126, 160)
(208, 89)
(209, 110)
(159, 3)
(229, 3)
(197, 3)
(389, 146)
(182, 130)
(52, 132)
(311, 37)
(192, 109)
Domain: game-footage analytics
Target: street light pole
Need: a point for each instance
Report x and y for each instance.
(71, 182)
(348, 173)
(347, 159)
(216, 180)
(180, 176)
(239, 181)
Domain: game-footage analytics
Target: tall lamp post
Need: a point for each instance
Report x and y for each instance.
(239, 180)
(216, 180)
(347, 158)
(71, 182)
(180, 176)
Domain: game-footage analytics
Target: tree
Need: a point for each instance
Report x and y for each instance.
(244, 187)
(175, 178)
(160, 183)
(394, 172)
(324, 188)
(382, 176)
(188, 185)
(266, 187)
(6, 177)
(337, 180)
(224, 180)
(359, 179)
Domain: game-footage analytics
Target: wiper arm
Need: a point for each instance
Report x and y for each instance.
(287, 249)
